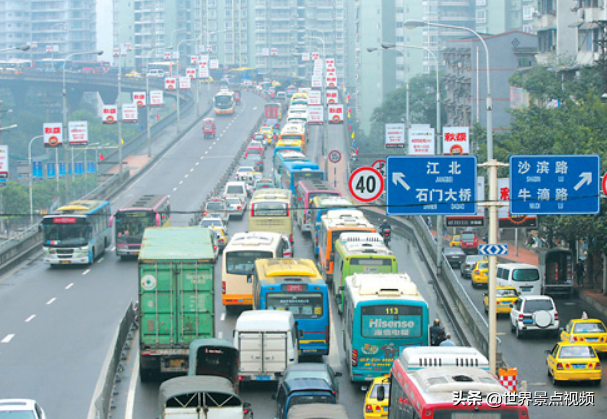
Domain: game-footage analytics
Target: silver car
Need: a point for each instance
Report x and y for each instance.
(236, 207)
(469, 264)
(216, 206)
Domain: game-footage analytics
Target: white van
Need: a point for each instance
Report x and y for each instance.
(238, 189)
(268, 343)
(420, 357)
(525, 278)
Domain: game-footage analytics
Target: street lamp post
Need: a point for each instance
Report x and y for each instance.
(29, 158)
(177, 87)
(64, 129)
(493, 203)
(147, 95)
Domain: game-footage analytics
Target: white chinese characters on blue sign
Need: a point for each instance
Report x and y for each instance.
(560, 184)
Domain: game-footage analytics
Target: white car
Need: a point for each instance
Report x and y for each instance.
(242, 173)
(236, 207)
(214, 221)
(21, 408)
(534, 313)
(238, 189)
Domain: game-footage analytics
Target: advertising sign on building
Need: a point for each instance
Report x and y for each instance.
(109, 114)
(395, 135)
(507, 220)
(315, 114)
(316, 82)
(156, 98)
(3, 162)
(336, 114)
(314, 97)
(330, 62)
(78, 133)
(332, 96)
(456, 140)
(421, 141)
(315, 55)
(129, 112)
(214, 64)
(331, 81)
(139, 99)
(305, 56)
(170, 83)
(265, 52)
(184, 83)
(53, 134)
(190, 72)
(193, 59)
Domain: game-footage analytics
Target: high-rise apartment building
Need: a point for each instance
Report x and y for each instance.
(64, 27)
(499, 16)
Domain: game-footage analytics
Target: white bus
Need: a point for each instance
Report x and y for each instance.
(238, 266)
(271, 211)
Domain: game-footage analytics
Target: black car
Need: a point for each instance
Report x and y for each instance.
(455, 256)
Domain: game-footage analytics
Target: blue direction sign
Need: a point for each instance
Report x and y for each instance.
(427, 185)
(493, 249)
(559, 184)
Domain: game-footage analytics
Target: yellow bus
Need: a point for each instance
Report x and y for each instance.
(294, 131)
(238, 266)
(299, 98)
(271, 211)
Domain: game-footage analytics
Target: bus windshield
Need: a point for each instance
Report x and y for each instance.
(302, 305)
(394, 320)
(69, 232)
(307, 175)
(243, 262)
(224, 101)
(270, 209)
(131, 225)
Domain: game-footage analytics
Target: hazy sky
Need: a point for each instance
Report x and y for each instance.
(104, 29)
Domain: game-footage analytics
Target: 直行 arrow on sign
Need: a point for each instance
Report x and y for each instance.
(399, 178)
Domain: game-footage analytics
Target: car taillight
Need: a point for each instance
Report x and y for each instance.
(354, 357)
(223, 287)
(368, 408)
(559, 366)
(520, 317)
(556, 315)
(291, 238)
(597, 366)
(239, 207)
(378, 408)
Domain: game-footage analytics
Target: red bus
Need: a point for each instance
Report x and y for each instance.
(450, 393)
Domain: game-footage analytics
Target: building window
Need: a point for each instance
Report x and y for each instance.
(481, 16)
(481, 2)
(528, 28)
(528, 12)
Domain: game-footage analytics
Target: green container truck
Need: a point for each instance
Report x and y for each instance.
(176, 297)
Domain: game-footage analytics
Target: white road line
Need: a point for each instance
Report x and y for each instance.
(501, 333)
(51, 301)
(186, 176)
(197, 163)
(30, 318)
(223, 316)
(180, 182)
(538, 384)
(206, 152)
(7, 338)
(86, 272)
(219, 335)
(174, 189)
(130, 398)
(101, 260)
(192, 169)
(69, 286)
(201, 157)
(113, 248)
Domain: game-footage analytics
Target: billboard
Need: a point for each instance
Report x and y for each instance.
(395, 135)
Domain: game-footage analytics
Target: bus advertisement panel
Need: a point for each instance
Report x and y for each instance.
(305, 191)
(383, 314)
(131, 221)
(297, 286)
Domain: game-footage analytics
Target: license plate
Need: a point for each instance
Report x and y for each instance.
(579, 366)
(386, 408)
(527, 321)
(262, 378)
(175, 363)
(64, 261)
(592, 339)
(136, 253)
(525, 289)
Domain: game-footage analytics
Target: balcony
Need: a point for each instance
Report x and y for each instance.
(590, 14)
(546, 21)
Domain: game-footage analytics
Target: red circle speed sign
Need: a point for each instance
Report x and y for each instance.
(366, 184)
(334, 156)
(604, 183)
(380, 166)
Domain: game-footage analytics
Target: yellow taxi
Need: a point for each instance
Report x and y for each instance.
(569, 361)
(456, 241)
(587, 331)
(375, 405)
(505, 297)
(267, 131)
(133, 74)
(480, 273)
(222, 239)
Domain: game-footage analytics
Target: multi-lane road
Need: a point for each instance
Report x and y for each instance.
(57, 325)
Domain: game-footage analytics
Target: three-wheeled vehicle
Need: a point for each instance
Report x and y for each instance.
(208, 128)
(199, 397)
(215, 357)
(237, 96)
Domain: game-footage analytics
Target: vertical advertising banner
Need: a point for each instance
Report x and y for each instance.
(331, 81)
(3, 162)
(336, 114)
(314, 97)
(190, 72)
(456, 140)
(129, 113)
(421, 141)
(156, 98)
(305, 56)
(78, 133)
(332, 96)
(53, 134)
(274, 52)
(110, 114)
(203, 67)
(330, 62)
(214, 64)
(315, 114)
(265, 52)
(395, 135)
(170, 83)
(184, 83)
(167, 55)
(507, 220)
(139, 99)
(193, 59)
(315, 55)
(316, 82)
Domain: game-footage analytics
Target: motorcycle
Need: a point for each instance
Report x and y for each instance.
(386, 233)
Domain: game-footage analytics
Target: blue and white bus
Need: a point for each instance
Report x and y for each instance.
(296, 285)
(77, 233)
(383, 315)
(293, 172)
(281, 157)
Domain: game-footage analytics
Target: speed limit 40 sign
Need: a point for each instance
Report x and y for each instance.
(366, 184)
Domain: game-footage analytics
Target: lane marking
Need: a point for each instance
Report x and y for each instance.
(174, 189)
(180, 182)
(69, 286)
(51, 301)
(113, 248)
(197, 163)
(101, 260)
(86, 272)
(186, 176)
(7, 338)
(201, 157)
(538, 384)
(130, 399)
(219, 335)
(30, 318)
(192, 169)
(223, 316)
(501, 333)
(206, 152)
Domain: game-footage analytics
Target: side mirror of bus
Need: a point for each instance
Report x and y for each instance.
(381, 393)
(300, 334)
(338, 373)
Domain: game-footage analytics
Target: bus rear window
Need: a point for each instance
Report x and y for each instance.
(243, 262)
(270, 209)
(302, 305)
(307, 175)
(371, 262)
